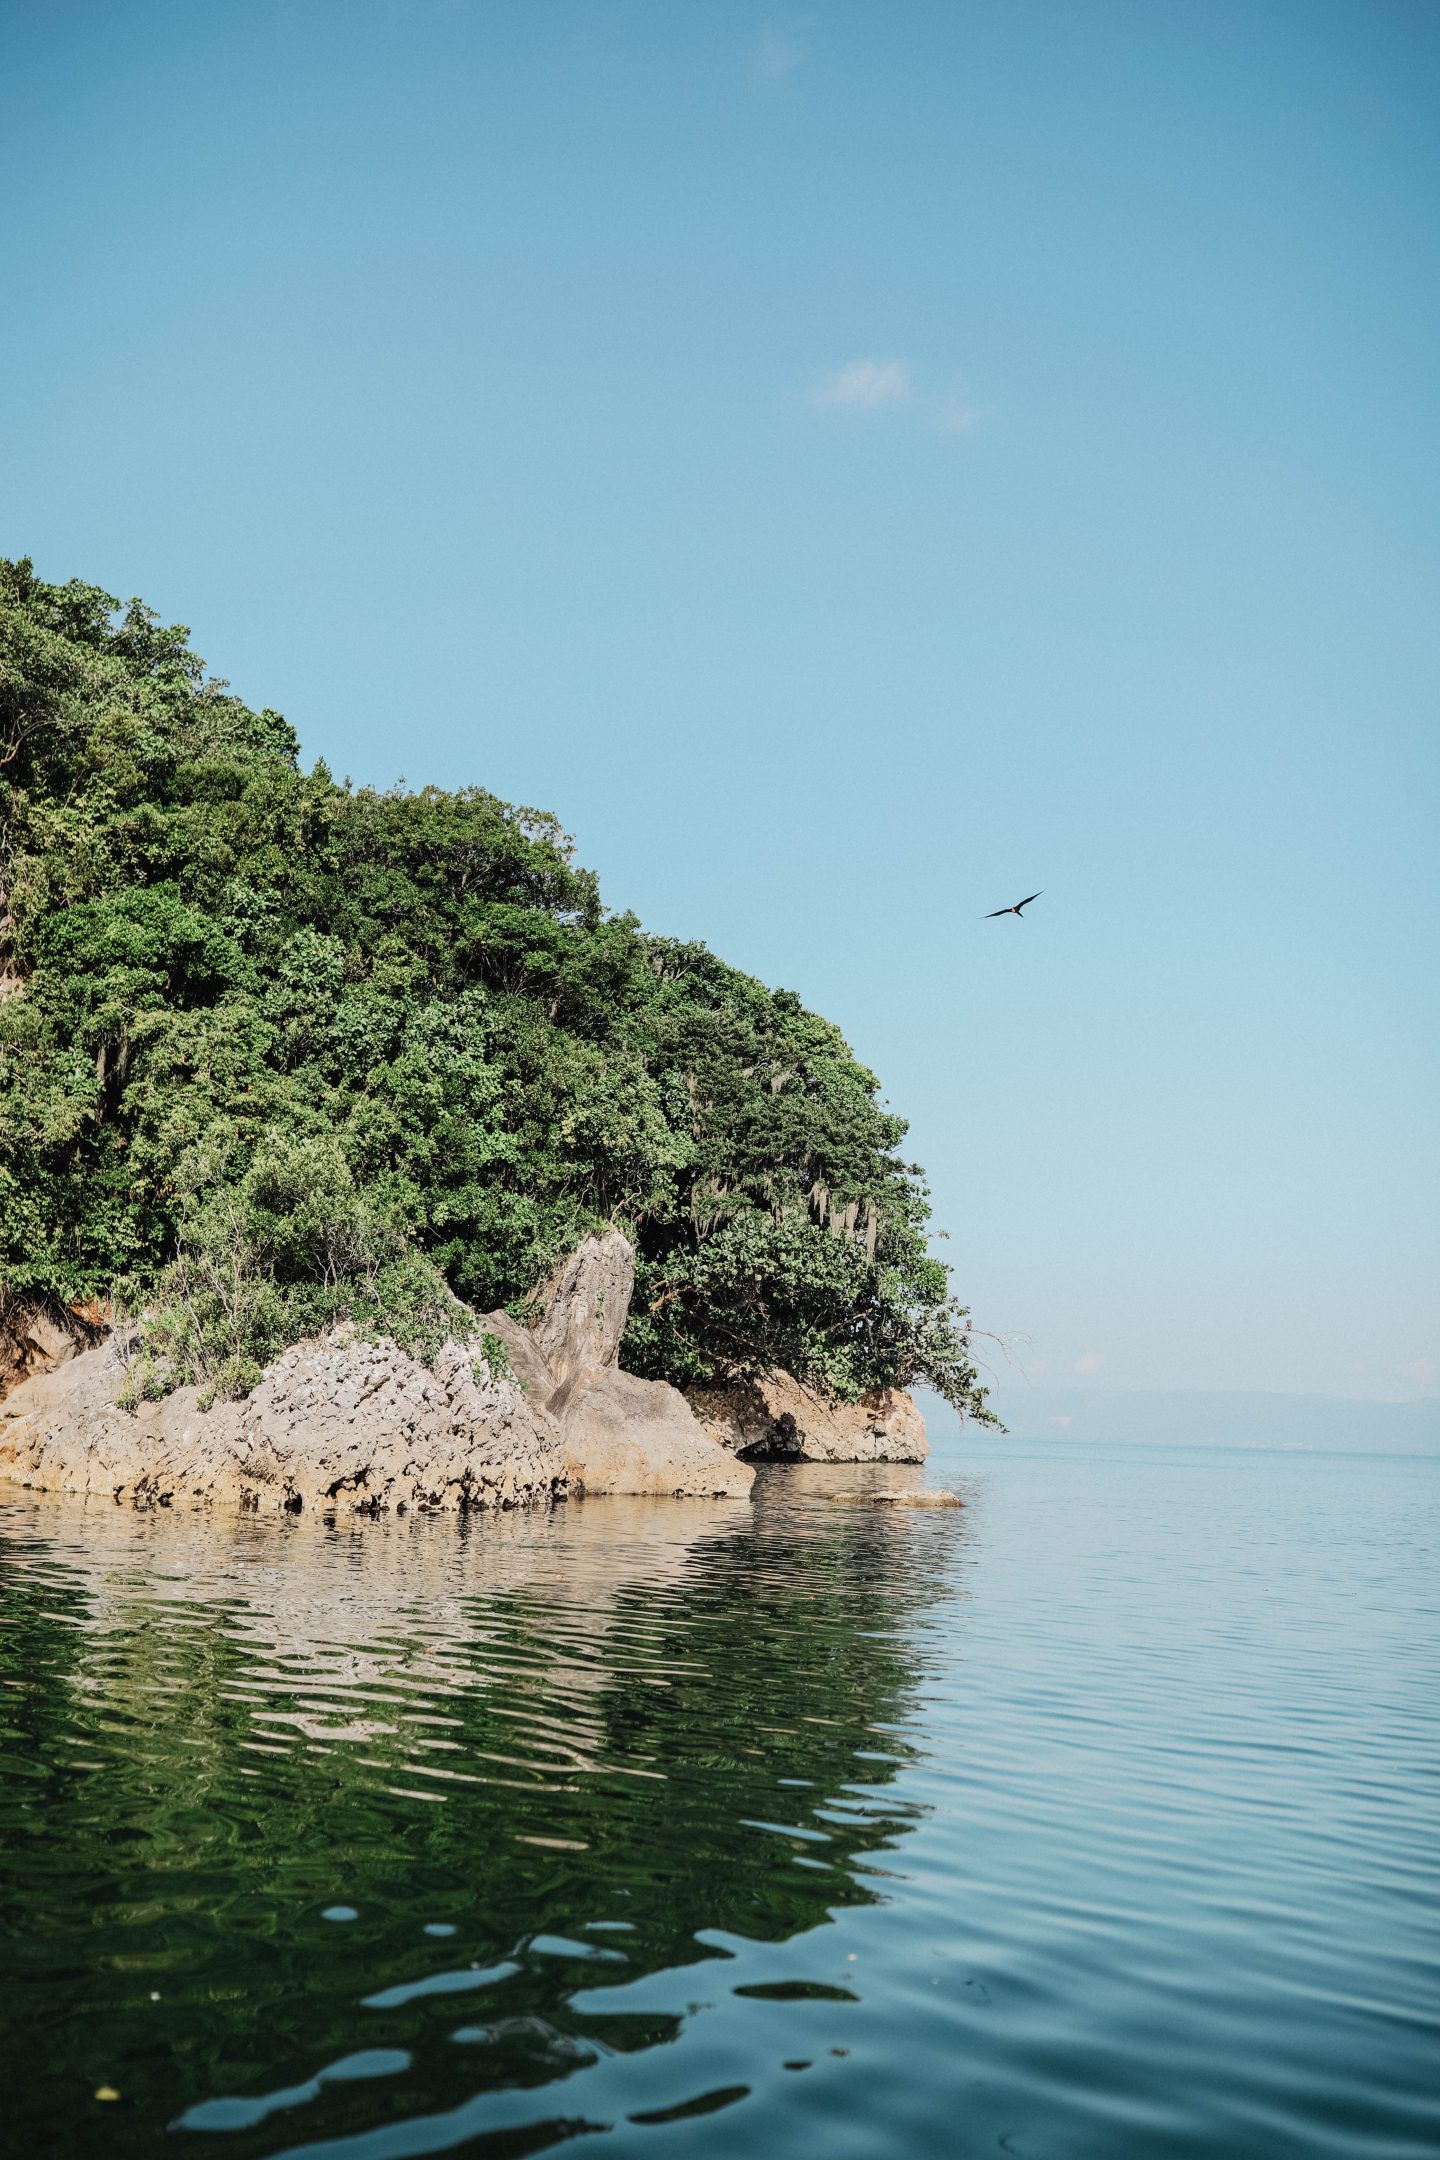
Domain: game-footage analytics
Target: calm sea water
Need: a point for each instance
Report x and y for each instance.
(1099, 1819)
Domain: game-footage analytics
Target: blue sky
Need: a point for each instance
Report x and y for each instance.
(856, 467)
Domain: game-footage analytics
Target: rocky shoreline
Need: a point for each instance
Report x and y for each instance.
(346, 1423)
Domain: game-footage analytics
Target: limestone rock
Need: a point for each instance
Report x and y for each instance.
(335, 1424)
(346, 1424)
(39, 1334)
(621, 1434)
(777, 1419)
(626, 1435)
(527, 1367)
(586, 1304)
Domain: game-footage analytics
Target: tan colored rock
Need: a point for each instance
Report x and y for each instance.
(347, 1424)
(527, 1367)
(776, 1418)
(627, 1435)
(337, 1424)
(586, 1305)
(621, 1434)
(37, 1335)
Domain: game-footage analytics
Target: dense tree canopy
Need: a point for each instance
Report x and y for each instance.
(273, 1049)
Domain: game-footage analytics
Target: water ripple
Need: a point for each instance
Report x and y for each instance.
(1097, 1821)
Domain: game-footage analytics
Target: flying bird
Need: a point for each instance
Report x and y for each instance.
(1017, 907)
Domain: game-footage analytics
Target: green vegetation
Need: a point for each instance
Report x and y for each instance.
(275, 1050)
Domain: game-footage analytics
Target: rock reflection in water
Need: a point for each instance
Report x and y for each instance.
(593, 1746)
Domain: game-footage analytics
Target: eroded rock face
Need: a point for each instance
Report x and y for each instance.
(620, 1434)
(38, 1335)
(586, 1306)
(347, 1424)
(336, 1424)
(626, 1435)
(776, 1419)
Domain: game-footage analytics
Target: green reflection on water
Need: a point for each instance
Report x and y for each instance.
(580, 1742)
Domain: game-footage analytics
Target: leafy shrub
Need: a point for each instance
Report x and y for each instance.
(287, 1250)
(495, 1356)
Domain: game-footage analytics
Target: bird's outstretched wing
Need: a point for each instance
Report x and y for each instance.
(1012, 910)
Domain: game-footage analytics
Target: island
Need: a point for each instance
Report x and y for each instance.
(354, 1155)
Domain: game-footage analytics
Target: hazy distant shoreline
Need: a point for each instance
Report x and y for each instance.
(1321, 1423)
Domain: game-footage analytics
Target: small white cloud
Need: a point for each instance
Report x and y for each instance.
(864, 386)
(886, 386)
(1421, 1369)
(953, 416)
(1090, 1363)
(783, 47)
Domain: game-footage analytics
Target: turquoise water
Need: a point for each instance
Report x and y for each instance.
(1096, 1820)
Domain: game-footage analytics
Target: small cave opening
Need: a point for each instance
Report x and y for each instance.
(780, 1444)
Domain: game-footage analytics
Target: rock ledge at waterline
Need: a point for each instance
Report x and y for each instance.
(776, 1419)
(344, 1423)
